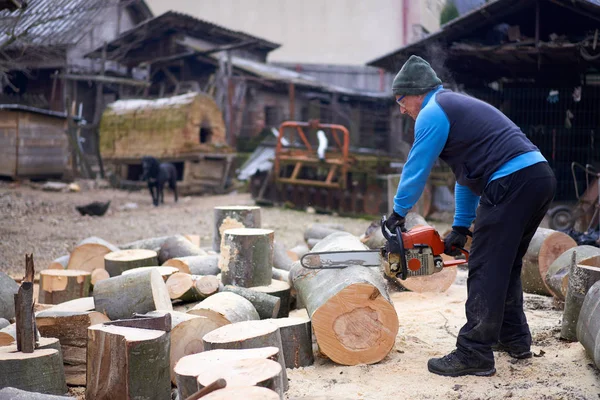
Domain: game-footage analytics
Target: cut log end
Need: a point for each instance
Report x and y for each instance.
(248, 393)
(242, 373)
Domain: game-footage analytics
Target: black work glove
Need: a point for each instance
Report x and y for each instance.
(395, 220)
(456, 238)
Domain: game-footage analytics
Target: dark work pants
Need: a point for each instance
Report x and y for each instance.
(510, 210)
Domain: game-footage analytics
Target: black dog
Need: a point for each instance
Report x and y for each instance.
(157, 174)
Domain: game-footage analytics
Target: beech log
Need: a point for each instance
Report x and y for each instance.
(296, 339)
(188, 288)
(194, 239)
(60, 262)
(545, 247)
(165, 272)
(296, 252)
(127, 363)
(178, 246)
(232, 217)
(118, 261)
(60, 285)
(246, 257)
(147, 244)
(266, 305)
(41, 371)
(226, 308)
(281, 259)
(557, 277)
(122, 296)
(588, 324)
(280, 274)
(8, 289)
(99, 274)
(89, 254)
(4, 323)
(82, 304)
(352, 316)
(320, 231)
(246, 393)
(196, 265)
(10, 393)
(278, 289)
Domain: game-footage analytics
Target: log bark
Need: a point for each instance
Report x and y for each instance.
(89, 254)
(226, 308)
(247, 335)
(196, 265)
(60, 285)
(189, 288)
(99, 274)
(281, 259)
(122, 296)
(165, 272)
(581, 278)
(232, 217)
(127, 363)
(280, 275)
(178, 246)
(588, 324)
(557, 276)
(246, 393)
(243, 373)
(278, 289)
(296, 338)
(116, 262)
(8, 289)
(312, 242)
(60, 262)
(320, 231)
(148, 244)
(186, 335)
(246, 257)
(10, 393)
(187, 367)
(24, 370)
(296, 252)
(545, 247)
(3, 323)
(266, 305)
(352, 316)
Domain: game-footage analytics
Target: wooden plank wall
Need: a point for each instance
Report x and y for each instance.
(8, 143)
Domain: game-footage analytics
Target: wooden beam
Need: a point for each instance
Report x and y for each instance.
(105, 79)
(575, 10)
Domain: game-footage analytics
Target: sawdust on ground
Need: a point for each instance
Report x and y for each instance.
(48, 225)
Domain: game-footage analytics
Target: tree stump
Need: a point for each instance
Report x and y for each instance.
(188, 288)
(60, 262)
(296, 338)
(196, 265)
(266, 305)
(122, 296)
(165, 272)
(186, 369)
(89, 254)
(588, 324)
(118, 261)
(247, 257)
(243, 373)
(178, 246)
(246, 393)
(8, 289)
(60, 285)
(582, 277)
(545, 247)
(226, 308)
(10, 393)
(187, 331)
(352, 316)
(278, 289)
(70, 328)
(248, 335)
(127, 363)
(557, 277)
(24, 370)
(232, 217)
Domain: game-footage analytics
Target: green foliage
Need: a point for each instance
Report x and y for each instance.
(449, 12)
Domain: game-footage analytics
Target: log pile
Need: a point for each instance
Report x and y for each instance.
(582, 276)
(588, 325)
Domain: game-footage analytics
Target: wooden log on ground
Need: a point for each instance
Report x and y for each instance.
(122, 296)
(545, 247)
(246, 257)
(296, 338)
(99, 274)
(82, 304)
(247, 335)
(280, 274)
(281, 259)
(233, 217)
(266, 305)
(4, 323)
(196, 265)
(147, 244)
(187, 367)
(89, 254)
(186, 335)
(118, 261)
(8, 335)
(194, 239)
(178, 246)
(320, 231)
(582, 277)
(8, 289)
(352, 316)
(165, 272)
(557, 277)
(243, 373)
(188, 288)
(41, 371)
(246, 393)
(226, 308)
(70, 328)
(278, 289)
(60, 285)
(10, 393)
(296, 252)
(588, 324)
(60, 262)
(312, 242)
(127, 363)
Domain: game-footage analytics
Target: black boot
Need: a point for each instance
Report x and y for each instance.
(453, 365)
(513, 351)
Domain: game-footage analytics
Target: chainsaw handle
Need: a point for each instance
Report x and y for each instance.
(453, 263)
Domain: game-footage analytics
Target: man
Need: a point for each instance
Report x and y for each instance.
(502, 182)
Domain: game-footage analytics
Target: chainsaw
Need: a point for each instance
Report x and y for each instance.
(416, 252)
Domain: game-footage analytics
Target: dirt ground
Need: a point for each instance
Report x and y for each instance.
(47, 225)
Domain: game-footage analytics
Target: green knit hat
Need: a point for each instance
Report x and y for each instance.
(416, 77)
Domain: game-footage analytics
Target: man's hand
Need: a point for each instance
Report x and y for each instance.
(395, 220)
(456, 238)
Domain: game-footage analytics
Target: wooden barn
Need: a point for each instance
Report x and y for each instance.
(33, 143)
(187, 130)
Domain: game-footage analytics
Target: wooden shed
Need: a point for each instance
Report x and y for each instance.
(33, 142)
(187, 130)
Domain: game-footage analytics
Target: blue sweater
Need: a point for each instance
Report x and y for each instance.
(432, 128)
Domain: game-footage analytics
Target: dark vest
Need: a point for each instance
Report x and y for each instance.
(481, 139)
